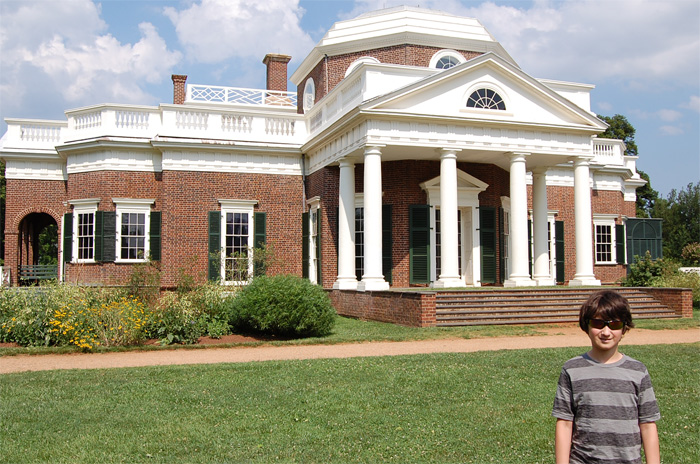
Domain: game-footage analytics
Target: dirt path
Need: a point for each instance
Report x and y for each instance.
(555, 338)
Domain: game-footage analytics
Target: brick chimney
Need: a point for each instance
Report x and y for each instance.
(179, 91)
(276, 71)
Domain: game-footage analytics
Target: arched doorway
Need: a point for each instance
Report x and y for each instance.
(38, 248)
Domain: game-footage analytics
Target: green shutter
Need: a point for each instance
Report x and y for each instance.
(502, 237)
(529, 247)
(387, 243)
(214, 245)
(318, 248)
(68, 237)
(305, 245)
(105, 236)
(155, 237)
(419, 243)
(620, 243)
(559, 247)
(488, 238)
(259, 239)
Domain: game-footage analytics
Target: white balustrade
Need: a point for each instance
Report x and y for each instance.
(609, 152)
(240, 96)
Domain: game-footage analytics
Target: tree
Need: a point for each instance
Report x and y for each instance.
(621, 129)
(681, 214)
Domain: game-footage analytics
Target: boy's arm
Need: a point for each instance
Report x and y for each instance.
(562, 440)
(650, 442)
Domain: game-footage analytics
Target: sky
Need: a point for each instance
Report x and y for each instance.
(643, 56)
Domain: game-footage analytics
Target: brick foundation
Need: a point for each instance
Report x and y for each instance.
(413, 309)
(678, 299)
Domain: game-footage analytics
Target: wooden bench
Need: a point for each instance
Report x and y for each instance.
(38, 272)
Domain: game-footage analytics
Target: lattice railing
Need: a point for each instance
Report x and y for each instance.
(240, 96)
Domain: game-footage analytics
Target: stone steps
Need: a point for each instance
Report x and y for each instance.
(532, 306)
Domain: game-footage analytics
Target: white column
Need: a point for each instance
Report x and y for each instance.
(584, 224)
(519, 272)
(449, 247)
(373, 279)
(540, 220)
(346, 228)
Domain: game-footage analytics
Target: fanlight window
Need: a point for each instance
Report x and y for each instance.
(447, 62)
(486, 99)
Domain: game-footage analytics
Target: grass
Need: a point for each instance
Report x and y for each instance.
(443, 408)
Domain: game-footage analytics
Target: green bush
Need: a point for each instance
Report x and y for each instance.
(691, 254)
(283, 305)
(646, 272)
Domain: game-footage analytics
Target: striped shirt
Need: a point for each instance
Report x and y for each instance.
(606, 403)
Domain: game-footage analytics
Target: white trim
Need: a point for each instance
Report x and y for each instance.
(81, 207)
(358, 62)
(444, 53)
(605, 220)
(135, 206)
(309, 94)
(236, 206)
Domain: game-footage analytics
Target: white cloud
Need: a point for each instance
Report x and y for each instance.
(215, 30)
(671, 130)
(669, 115)
(69, 55)
(692, 104)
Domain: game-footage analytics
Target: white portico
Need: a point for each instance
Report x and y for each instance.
(528, 129)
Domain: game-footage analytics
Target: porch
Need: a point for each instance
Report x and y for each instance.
(499, 306)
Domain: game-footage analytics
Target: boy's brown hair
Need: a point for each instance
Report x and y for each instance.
(608, 305)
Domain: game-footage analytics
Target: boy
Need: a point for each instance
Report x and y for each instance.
(605, 405)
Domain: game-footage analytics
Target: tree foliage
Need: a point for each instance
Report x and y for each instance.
(621, 129)
(681, 214)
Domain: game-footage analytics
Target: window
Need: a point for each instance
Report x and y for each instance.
(85, 236)
(309, 94)
(314, 223)
(238, 238)
(446, 59)
(133, 228)
(447, 62)
(359, 242)
(84, 230)
(486, 99)
(605, 241)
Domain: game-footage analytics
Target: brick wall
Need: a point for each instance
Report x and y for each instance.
(189, 196)
(678, 299)
(179, 88)
(331, 70)
(411, 309)
(24, 197)
(276, 71)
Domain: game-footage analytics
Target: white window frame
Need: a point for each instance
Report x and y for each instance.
(359, 257)
(446, 53)
(314, 209)
(237, 206)
(83, 207)
(136, 206)
(605, 221)
(309, 94)
(506, 255)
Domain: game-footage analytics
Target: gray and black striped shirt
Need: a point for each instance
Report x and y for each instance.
(606, 403)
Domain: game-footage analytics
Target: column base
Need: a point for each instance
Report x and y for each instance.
(372, 284)
(345, 283)
(519, 282)
(544, 281)
(584, 281)
(449, 282)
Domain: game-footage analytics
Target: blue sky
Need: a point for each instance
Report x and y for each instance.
(642, 56)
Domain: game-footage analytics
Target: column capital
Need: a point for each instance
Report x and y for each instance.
(346, 163)
(517, 156)
(540, 170)
(582, 160)
(374, 149)
(448, 152)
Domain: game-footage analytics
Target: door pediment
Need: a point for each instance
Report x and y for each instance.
(468, 189)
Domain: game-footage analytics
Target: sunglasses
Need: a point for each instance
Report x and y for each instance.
(601, 324)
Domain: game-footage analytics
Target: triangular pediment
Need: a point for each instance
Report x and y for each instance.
(464, 182)
(445, 94)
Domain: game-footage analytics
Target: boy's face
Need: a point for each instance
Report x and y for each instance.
(605, 339)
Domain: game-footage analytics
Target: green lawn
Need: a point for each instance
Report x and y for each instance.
(443, 408)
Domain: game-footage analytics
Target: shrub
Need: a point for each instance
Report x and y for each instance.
(177, 320)
(283, 305)
(645, 270)
(691, 254)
